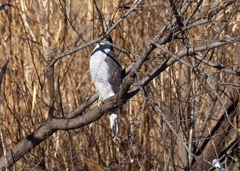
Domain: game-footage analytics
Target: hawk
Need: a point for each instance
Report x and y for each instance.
(106, 73)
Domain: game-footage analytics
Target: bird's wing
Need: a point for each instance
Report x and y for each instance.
(114, 70)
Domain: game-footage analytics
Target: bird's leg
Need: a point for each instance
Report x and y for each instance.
(100, 101)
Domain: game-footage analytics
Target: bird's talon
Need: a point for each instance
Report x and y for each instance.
(100, 101)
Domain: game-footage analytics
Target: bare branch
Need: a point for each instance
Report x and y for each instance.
(97, 39)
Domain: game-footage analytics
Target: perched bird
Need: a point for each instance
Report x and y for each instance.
(106, 73)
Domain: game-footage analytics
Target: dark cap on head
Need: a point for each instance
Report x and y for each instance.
(108, 38)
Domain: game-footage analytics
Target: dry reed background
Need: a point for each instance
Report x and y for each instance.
(29, 29)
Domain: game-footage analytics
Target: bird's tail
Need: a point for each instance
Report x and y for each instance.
(113, 124)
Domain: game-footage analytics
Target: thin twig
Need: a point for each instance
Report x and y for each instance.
(97, 39)
(221, 102)
(155, 105)
(2, 73)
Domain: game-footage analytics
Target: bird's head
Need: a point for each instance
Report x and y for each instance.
(108, 38)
